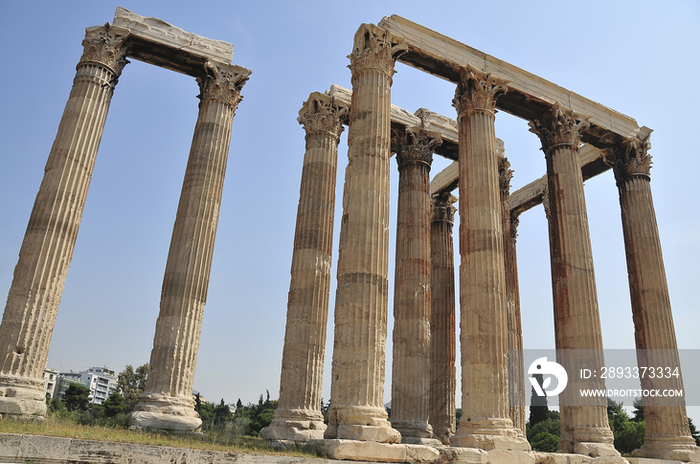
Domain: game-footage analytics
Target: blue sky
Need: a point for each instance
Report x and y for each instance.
(637, 57)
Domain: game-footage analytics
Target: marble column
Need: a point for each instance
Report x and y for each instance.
(47, 249)
(298, 416)
(357, 389)
(166, 402)
(516, 374)
(667, 432)
(443, 354)
(410, 386)
(483, 319)
(578, 338)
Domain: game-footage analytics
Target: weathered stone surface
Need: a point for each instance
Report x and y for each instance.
(379, 452)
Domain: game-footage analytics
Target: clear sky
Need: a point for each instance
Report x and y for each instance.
(637, 57)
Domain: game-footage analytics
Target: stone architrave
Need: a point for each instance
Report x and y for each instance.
(166, 402)
(47, 249)
(410, 391)
(443, 371)
(485, 422)
(667, 433)
(298, 416)
(584, 428)
(357, 389)
(516, 374)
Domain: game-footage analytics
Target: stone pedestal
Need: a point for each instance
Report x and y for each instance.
(667, 432)
(443, 372)
(47, 249)
(410, 392)
(516, 374)
(576, 318)
(298, 416)
(483, 321)
(167, 400)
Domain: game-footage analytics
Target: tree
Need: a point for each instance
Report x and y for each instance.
(693, 431)
(131, 384)
(638, 410)
(222, 413)
(544, 435)
(76, 397)
(629, 435)
(114, 405)
(539, 411)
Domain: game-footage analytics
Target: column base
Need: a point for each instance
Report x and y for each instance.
(496, 434)
(295, 425)
(362, 423)
(413, 428)
(165, 412)
(22, 396)
(672, 448)
(591, 441)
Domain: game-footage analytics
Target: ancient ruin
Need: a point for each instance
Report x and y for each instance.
(32, 304)
(580, 139)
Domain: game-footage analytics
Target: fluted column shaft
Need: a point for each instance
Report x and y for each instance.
(483, 322)
(410, 391)
(667, 432)
(167, 400)
(47, 249)
(298, 416)
(576, 317)
(357, 390)
(443, 371)
(516, 374)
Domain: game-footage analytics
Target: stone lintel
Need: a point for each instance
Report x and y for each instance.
(528, 95)
(159, 43)
(428, 120)
(530, 195)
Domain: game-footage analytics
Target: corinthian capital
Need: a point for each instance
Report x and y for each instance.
(558, 125)
(374, 50)
(477, 90)
(223, 83)
(415, 146)
(505, 174)
(104, 45)
(631, 157)
(323, 113)
(442, 209)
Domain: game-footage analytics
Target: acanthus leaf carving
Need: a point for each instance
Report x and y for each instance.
(104, 45)
(374, 50)
(478, 90)
(222, 83)
(559, 125)
(415, 146)
(442, 209)
(322, 113)
(630, 158)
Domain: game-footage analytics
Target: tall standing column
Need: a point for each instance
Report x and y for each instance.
(167, 401)
(410, 388)
(516, 374)
(584, 428)
(47, 249)
(443, 371)
(483, 320)
(667, 432)
(357, 390)
(298, 416)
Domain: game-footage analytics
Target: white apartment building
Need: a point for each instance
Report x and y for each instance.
(101, 381)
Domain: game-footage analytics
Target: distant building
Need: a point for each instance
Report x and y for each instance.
(101, 381)
(50, 382)
(65, 380)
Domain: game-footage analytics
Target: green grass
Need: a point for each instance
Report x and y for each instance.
(212, 440)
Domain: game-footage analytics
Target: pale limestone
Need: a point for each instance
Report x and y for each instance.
(379, 452)
(298, 416)
(410, 406)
